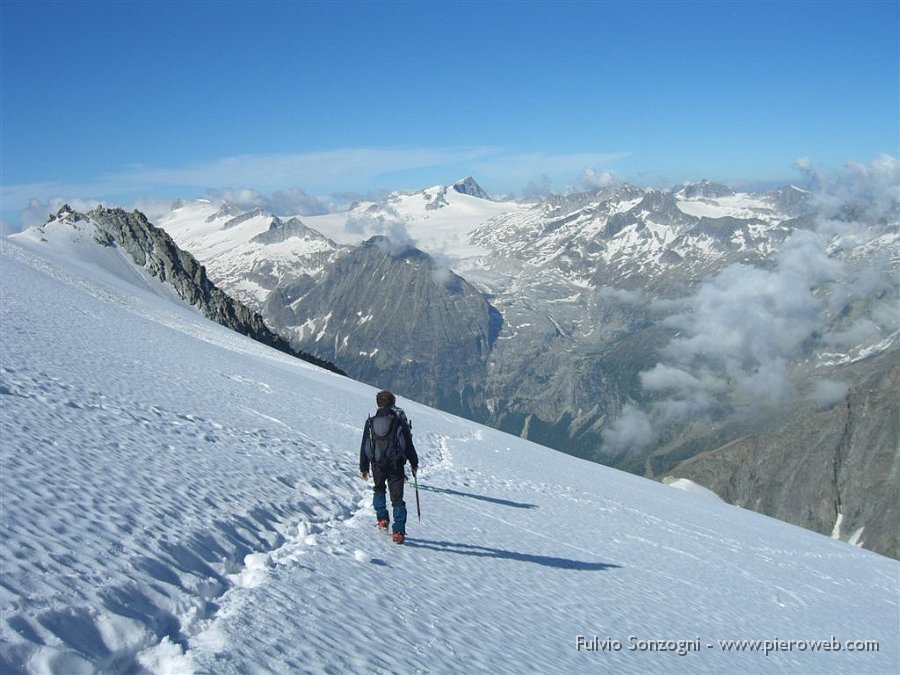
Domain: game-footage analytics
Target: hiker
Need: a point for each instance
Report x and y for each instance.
(386, 446)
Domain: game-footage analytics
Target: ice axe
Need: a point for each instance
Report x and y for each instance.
(418, 507)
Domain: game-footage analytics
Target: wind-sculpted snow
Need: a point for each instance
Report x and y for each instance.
(117, 467)
(178, 498)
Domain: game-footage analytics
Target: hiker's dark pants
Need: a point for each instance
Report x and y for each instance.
(390, 477)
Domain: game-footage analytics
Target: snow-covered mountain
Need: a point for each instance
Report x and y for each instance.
(248, 253)
(629, 237)
(178, 498)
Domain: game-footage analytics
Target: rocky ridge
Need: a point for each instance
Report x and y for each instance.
(154, 250)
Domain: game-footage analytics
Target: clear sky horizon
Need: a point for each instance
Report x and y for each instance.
(128, 101)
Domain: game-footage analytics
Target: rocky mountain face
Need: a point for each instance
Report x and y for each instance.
(154, 250)
(395, 318)
(834, 470)
(739, 340)
(469, 186)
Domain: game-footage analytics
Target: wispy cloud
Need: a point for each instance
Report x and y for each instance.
(316, 172)
(388, 223)
(37, 211)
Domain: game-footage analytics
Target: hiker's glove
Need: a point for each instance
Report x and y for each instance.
(414, 470)
(364, 474)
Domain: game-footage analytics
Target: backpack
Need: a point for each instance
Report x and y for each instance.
(385, 442)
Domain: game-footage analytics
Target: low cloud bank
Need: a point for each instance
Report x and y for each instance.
(737, 337)
(292, 202)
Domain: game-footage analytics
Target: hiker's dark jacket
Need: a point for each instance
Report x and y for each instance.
(403, 438)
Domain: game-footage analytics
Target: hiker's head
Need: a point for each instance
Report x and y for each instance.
(385, 399)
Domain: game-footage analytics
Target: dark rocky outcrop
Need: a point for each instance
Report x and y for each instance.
(815, 464)
(469, 186)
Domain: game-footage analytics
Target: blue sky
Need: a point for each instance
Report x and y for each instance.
(130, 100)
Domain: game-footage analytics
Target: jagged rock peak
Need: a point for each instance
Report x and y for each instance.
(66, 212)
(280, 231)
(621, 192)
(659, 202)
(468, 186)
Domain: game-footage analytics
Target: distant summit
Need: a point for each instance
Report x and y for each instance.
(791, 199)
(468, 186)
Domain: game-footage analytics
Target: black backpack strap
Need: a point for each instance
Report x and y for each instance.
(370, 444)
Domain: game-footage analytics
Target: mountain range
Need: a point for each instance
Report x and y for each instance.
(744, 340)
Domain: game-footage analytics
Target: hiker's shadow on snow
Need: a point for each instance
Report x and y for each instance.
(487, 552)
(492, 500)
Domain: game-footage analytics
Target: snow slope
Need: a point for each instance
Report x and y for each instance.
(179, 499)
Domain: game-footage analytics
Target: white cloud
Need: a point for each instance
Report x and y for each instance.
(744, 325)
(289, 180)
(539, 171)
(830, 392)
(860, 191)
(318, 172)
(592, 179)
(621, 295)
(740, 332)
(632, 431)
(37, 211)
(386, 223)
(441, 273)
(540, 188)
(152, 207)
